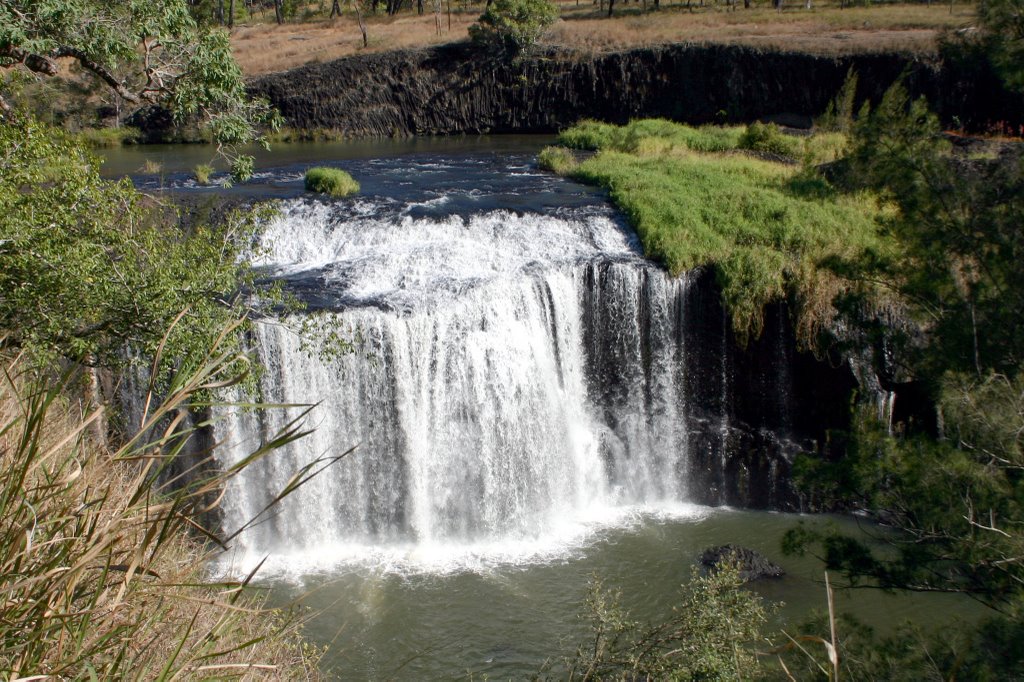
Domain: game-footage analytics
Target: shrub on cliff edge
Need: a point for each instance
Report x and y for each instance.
(512, 26)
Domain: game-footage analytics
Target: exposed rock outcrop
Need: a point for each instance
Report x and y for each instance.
(752, 565)
(455, 89)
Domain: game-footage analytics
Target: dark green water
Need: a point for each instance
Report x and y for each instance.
(507, 621)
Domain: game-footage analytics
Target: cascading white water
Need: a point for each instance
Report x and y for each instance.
(513, 377)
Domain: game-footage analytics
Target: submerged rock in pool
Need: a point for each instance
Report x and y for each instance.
(752, 565)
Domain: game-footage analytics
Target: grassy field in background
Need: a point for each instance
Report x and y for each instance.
(261, 46)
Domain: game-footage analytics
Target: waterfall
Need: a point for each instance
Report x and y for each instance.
(516, 378)
(510, 373)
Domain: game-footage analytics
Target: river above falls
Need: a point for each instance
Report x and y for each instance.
(533, 403)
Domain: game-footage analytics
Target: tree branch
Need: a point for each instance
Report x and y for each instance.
(45, 65)
(101, 71)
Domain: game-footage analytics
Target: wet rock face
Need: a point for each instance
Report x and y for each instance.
(752, 565)
(760, 405)
(455, 89)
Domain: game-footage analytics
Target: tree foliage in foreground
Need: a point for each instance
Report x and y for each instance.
(146, 52)
(710, 635)
(954, 500)
(89, 267)
(1003, 25)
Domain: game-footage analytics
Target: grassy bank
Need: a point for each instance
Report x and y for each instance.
(696, 198)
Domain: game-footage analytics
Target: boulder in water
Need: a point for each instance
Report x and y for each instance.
(752, 565)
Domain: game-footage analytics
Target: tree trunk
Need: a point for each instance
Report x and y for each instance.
(278, 13)
(336, 9)
(231, 14)
(359, 18)
(611, 6)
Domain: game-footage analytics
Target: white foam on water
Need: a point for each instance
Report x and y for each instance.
(564, 541)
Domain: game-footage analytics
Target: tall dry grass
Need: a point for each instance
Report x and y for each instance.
(103, 552)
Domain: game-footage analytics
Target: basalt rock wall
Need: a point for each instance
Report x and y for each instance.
(456, 89)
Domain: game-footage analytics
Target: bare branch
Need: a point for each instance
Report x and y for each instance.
(101, 71)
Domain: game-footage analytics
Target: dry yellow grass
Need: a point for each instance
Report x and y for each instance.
(265, 48)
(825, 29)
(96, 575)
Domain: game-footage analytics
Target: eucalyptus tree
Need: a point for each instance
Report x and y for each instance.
(144, 52)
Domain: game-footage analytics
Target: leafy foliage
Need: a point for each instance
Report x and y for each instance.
(954, 504)
(513, 26)
(88, 266)
(708, 637)
(839, 114)
(959, 220)
(145, 52)
(1003, 22)
(761, 137)
(956, 513)
(912, 653)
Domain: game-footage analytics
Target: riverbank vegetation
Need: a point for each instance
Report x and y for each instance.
(713, 635)
(949, 480)
(139, 54)
(697, 197)
(923, 247)
(103, 573)
(330, 181)
(105, 546)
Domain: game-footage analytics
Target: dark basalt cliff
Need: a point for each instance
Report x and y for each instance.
(456, 89)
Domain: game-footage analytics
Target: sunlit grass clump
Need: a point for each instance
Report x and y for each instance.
(331, 181)
(767, 228)
(557, 159)
(650, 135)
(202, 173)
(103, 138)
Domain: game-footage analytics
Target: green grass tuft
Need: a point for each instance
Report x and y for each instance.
(761, 137)
(202, 173)
(332, 181)
(649, 136)
(557, 159)
(102, 138)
